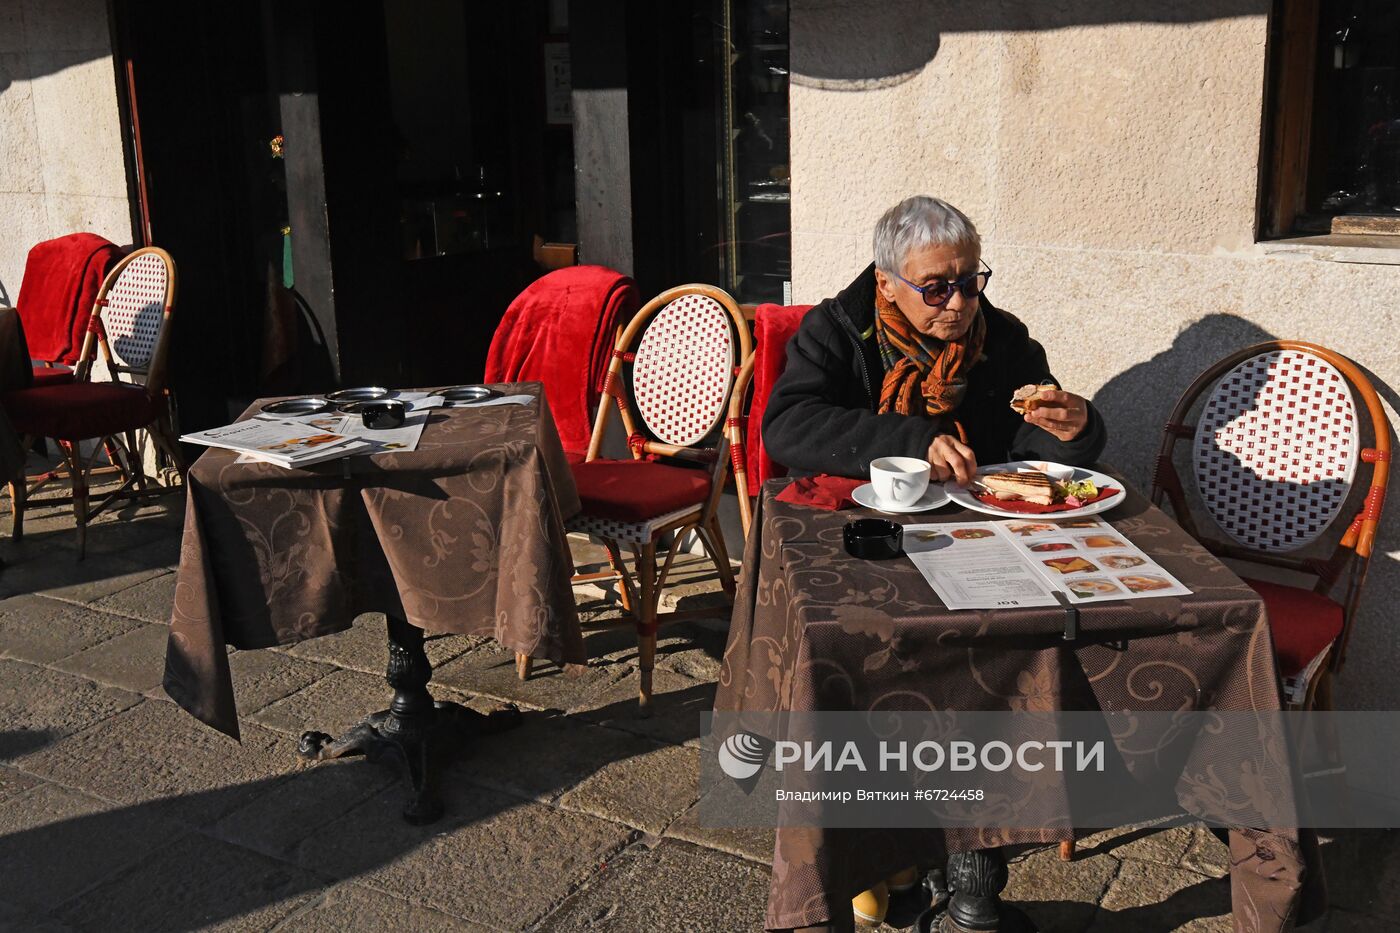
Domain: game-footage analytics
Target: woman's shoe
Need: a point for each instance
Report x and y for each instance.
(904, 880)
(871, 906)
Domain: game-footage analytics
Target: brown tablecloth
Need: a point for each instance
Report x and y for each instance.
(272, 556)
(815, 629)
(16, 372)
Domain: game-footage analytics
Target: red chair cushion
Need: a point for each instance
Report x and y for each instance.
(79, 410)
(51, 375)
(1303, 623)
(637, 490)
(773, 327)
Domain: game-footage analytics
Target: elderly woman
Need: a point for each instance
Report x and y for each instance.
(912, 360)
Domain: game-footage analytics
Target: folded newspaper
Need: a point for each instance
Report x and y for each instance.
(282, 441)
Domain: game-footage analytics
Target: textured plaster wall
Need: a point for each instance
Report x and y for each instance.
(1111, 162)
(61, 168)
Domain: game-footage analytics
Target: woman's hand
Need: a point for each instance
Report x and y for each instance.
(951, 459)
(1063, 414)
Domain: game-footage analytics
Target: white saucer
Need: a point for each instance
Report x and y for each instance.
(933, 498)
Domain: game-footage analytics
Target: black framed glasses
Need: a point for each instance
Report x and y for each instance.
(936, 294)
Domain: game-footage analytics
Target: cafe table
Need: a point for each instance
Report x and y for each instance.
(463, 535)
(815, 629)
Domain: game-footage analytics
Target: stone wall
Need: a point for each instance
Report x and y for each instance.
(1111, 161)
(61, 166)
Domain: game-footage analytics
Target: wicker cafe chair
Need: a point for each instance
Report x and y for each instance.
(130, 321)
(670, 377)
(1275, 453)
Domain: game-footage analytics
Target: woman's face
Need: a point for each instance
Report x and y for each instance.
(926, 264)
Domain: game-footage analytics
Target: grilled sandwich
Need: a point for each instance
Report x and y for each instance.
(1032, 486)
(1027, 398)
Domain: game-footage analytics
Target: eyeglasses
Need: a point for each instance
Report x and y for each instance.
(936, 294)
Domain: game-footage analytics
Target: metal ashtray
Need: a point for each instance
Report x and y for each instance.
(298, 406)
(873, 538)
(378, 413)
(361, 394)
(465, 395)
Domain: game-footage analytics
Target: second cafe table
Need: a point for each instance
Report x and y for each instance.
(463, 535)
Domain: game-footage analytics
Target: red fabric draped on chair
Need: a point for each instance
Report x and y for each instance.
(560, 331)
(61, 280)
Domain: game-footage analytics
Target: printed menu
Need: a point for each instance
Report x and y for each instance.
(1024, 562)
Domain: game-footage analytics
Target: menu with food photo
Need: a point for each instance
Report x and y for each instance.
(1007, 564)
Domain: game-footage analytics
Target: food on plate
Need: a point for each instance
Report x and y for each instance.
(1027, 398)
(1121, 561)
(1052, 546)
(1069, 564)
(1102, 541)
(969, 534)
(1030, 528)
(1076, 492)
(1030, 486)
(1090, 587)
(1142, 583)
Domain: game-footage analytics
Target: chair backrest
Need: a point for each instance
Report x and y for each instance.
(62, 277)
(672, 373)
(133, 309)
(1275, 453)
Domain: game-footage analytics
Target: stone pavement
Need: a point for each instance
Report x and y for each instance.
(120, 812)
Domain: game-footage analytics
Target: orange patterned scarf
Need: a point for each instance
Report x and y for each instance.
(923, 375)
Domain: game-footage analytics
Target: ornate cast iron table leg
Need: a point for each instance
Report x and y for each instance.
(419, 731)
(975, 881)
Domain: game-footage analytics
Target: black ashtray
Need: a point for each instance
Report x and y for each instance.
(873, 539)
(379, 413)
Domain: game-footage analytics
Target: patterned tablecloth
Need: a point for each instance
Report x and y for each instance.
(815, 630)
(272, 556)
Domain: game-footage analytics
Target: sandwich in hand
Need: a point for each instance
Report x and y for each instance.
(1027, 398)
(1031, 486)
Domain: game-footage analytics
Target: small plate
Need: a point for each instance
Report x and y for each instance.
(361, 394)
(298, 406)
(933, 498)
(965, 498)
(455, 396)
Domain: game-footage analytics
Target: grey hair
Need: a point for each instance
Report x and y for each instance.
(916, 222)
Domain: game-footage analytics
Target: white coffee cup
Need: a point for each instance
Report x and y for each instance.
(899, 481)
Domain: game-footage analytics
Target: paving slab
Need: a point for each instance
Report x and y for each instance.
(14, 782)
(365, 646)
(16, 919)
(40, 630)
(648, 790)
(134, 660)
(1146, 896)
(197, 882)
(331, 704)
(1362, 866)
(677, 704)
(261, 678)
(352, 908)
(1159, 846)
(150, 601)
(669, 887)
(750, 842)
(157, 754)
(1206, 854)
(55, 843)
(492, 859)
(56, 573)
(47, 705)
(287, 812)
(1059, 895)
(1345, 921)
(489, 670)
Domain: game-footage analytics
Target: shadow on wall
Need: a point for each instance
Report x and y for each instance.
(1135, 405)
(858, 45)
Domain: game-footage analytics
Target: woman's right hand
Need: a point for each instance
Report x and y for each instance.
(951, 459)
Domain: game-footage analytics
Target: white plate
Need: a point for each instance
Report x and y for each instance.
(965, 498)
(934, 497)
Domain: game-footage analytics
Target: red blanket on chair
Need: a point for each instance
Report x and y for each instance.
(774, 326)
(61, 279)
(559, 331)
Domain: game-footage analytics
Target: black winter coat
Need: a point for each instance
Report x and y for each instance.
(821, 417)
